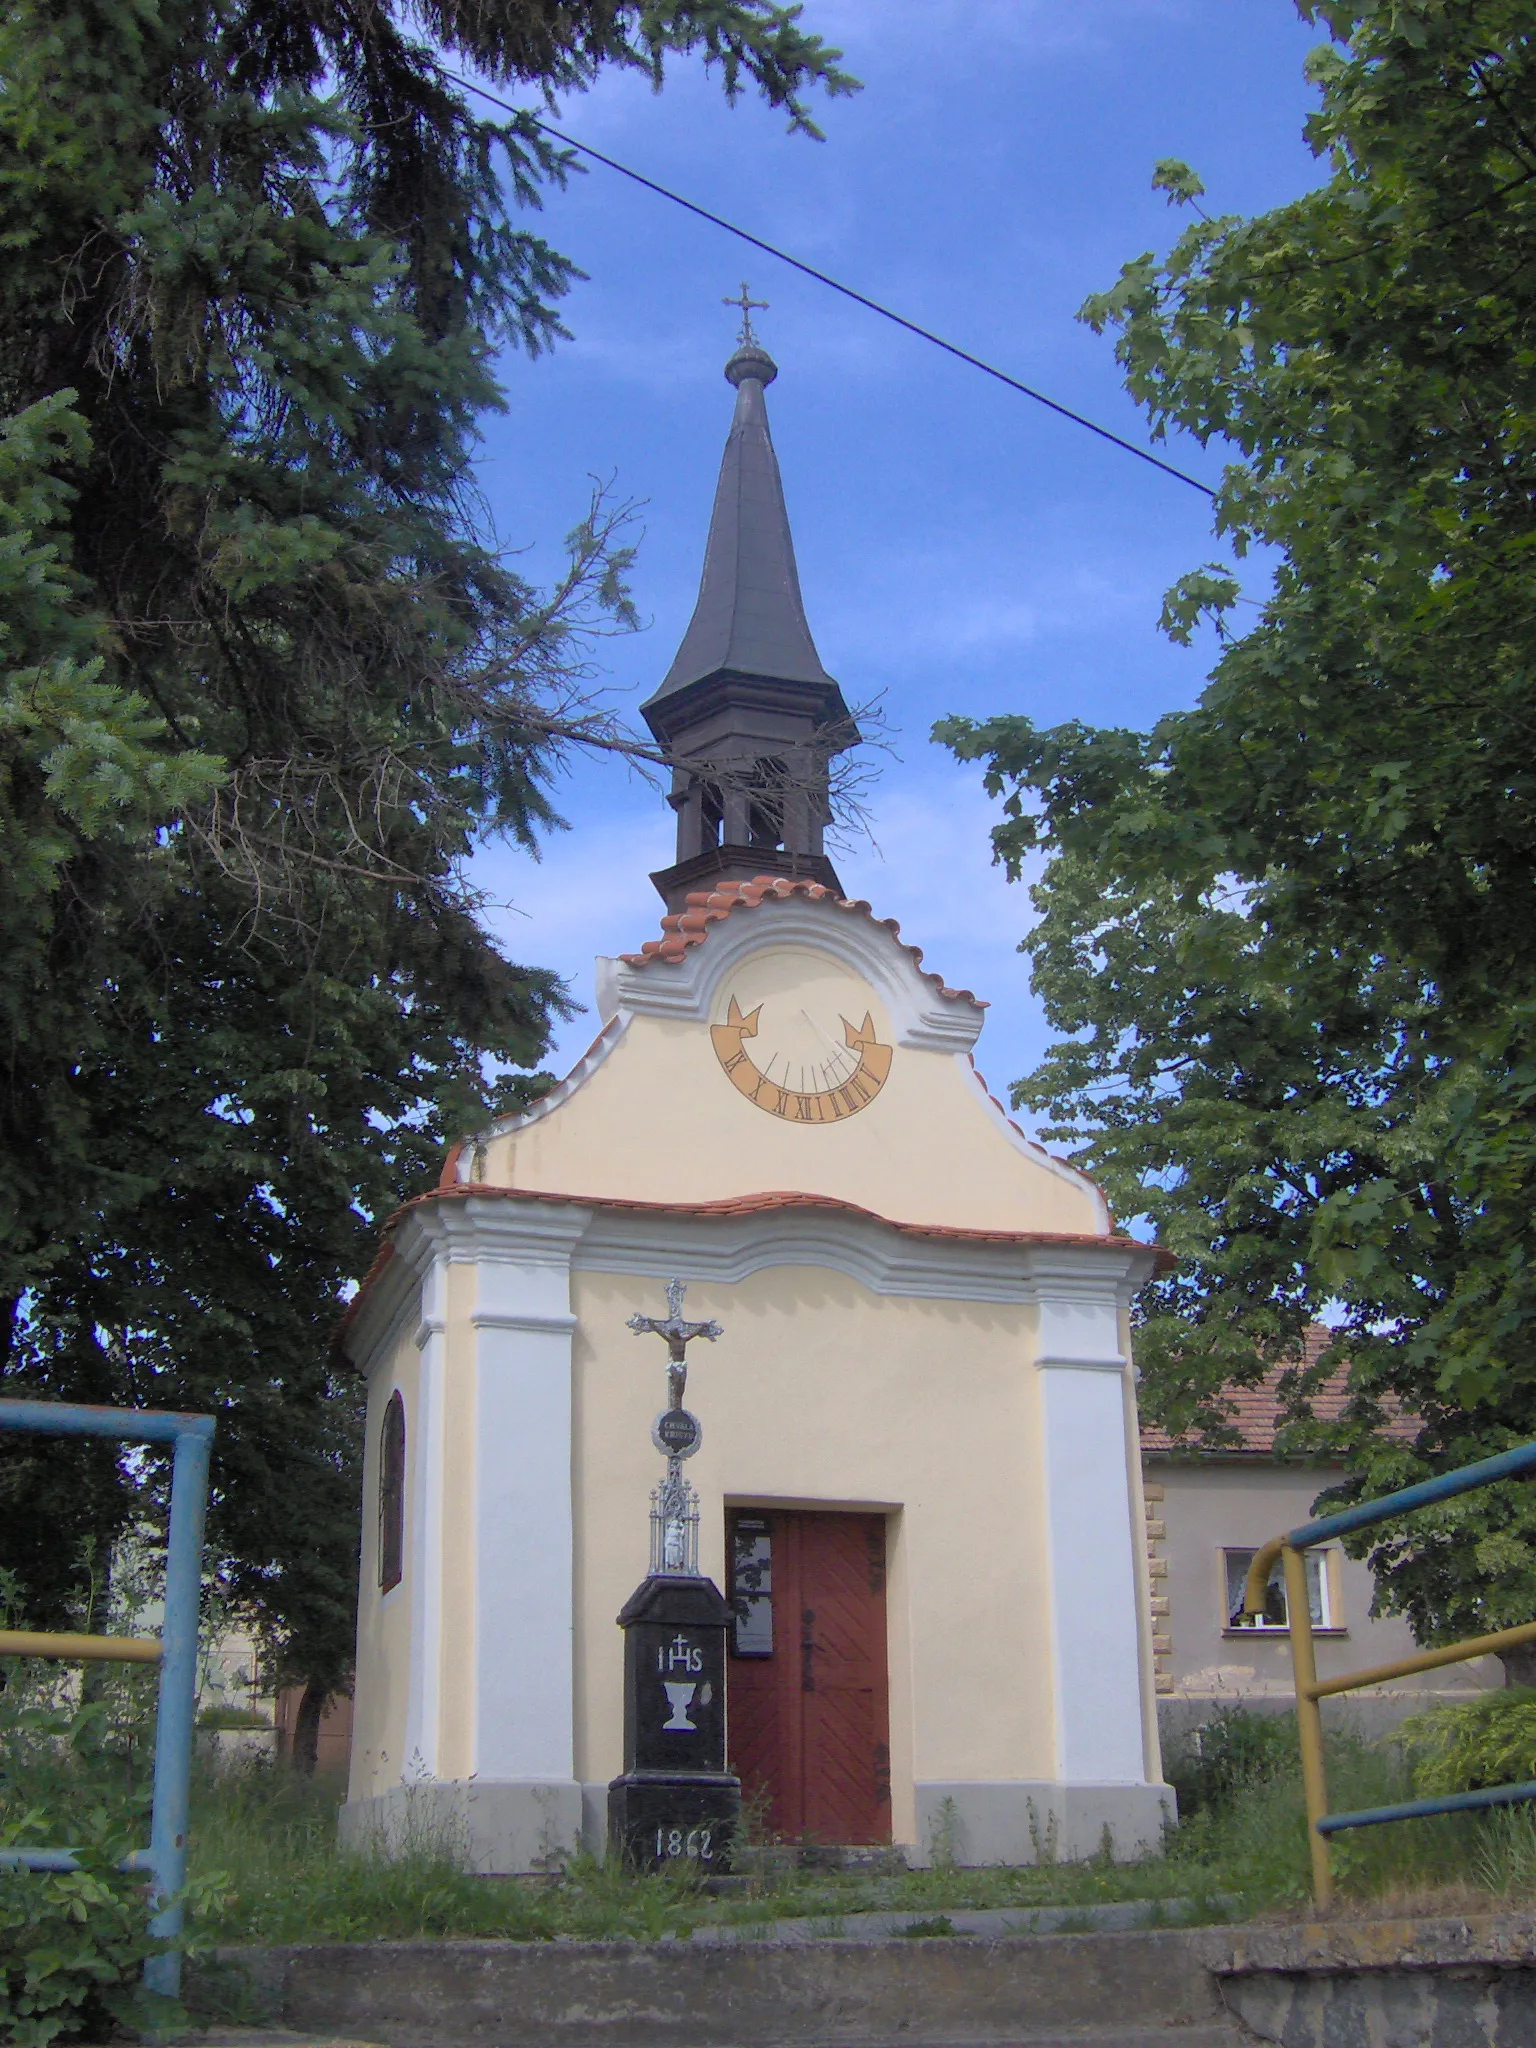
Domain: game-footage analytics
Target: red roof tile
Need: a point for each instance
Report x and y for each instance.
(690, 927)
(1257, 1412)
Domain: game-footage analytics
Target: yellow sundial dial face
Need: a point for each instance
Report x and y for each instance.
(809, 1053)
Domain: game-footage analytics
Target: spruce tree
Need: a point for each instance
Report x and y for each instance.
(264, 684)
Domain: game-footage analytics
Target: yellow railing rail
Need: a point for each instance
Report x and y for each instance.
(24, 1642)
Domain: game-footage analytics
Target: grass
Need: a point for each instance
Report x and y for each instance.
(263, 1844)
(266, 1867)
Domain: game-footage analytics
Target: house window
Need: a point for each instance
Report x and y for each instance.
(392, 1495)
(1275, 1613)
(752, 1586)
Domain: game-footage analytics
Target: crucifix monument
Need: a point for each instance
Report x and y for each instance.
(675, 1800)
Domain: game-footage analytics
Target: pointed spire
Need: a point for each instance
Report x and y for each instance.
(749, 619)
(750, 718)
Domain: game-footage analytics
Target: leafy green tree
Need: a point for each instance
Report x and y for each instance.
(264, 683)
(1287, 933)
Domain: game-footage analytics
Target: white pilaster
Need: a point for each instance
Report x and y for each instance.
(524, 1561)
(1090, 1539)
(424, 1491)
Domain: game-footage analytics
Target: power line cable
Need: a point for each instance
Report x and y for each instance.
(832, 284)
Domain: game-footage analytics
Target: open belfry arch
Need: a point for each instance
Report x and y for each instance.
(918, 1479)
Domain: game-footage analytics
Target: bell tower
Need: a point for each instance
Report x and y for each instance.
(748, 715)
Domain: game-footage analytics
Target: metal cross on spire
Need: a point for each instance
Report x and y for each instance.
(748, 305)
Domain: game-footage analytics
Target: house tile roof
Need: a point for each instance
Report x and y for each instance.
(1257, 1412)
(705, 908)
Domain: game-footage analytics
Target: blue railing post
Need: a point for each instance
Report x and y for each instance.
(177, 1708)
(191, 1438)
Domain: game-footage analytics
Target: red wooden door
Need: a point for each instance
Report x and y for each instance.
(808, 1706)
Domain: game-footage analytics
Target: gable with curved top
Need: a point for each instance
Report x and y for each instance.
(794, 1044)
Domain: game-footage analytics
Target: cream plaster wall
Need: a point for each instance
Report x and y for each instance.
(384, 1620)
(824, 1394)
(1238, 1504)
(658, 1120)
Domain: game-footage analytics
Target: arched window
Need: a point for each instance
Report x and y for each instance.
(392, 1495)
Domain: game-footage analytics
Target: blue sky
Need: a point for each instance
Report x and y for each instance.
(960, 549)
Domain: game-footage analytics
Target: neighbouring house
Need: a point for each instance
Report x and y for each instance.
(241, 1714)
(333, 1745)
(1207, 1513)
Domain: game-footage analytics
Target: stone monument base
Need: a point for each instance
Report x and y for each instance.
(655, 1820)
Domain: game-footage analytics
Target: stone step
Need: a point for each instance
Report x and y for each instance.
(1099, 1990)
(1222, 2034)
(878, 1859)
(1462, 1983)
(914, 1923)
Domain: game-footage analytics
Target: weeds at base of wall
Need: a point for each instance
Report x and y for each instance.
(1044, 1841)
(1471, 1744)
(944, 1836)
(286, 1881)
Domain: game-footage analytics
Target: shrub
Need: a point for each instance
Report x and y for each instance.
(1231, 1753)
(233, 1717)
(72, 1943)
(1490, 1740)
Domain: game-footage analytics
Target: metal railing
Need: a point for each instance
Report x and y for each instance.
(174, 1650)
(1289, 1549)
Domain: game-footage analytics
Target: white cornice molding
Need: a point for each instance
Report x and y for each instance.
(1065, 1280)
(1080, 1272)
(685, 989)
(471, 1231)
(507, 1319)
(887, 1261)
(458, 1232)
(392, 1301)
(1080, 1302)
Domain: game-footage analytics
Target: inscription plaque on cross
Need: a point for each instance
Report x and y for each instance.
(675, 1800)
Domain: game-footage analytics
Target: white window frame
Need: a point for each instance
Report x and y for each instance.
(1320, 1577)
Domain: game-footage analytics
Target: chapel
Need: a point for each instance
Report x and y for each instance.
(918, 1483)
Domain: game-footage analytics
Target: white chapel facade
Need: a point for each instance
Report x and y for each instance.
(919, 1477)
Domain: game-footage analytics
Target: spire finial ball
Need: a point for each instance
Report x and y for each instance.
(752, 360)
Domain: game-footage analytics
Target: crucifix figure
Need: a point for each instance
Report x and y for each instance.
(748, 305)
(679, 1334)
